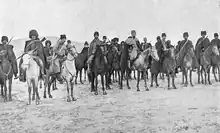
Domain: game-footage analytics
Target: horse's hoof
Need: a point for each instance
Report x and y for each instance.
(74, 99)
(192, 85)
(174, 87)
(96, 93)
(169, 88)
(68, 100)
(5, 100)
(129, 87)
(210, 83)
(81, 82)
(104, 93)
(55, 88)
(50, 96)
(146, 89)
(45, 96)
(138, 89)
(28, 104)
(151, 85)
(10, 99)
(185, 85)
(33, 98)
(157, 85)
(120, 88)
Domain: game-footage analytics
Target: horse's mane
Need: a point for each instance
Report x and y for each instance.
(209, 49)
(84, 50)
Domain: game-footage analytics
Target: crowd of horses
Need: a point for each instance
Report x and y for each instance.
(122, 60)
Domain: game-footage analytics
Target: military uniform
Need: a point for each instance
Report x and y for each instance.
(59, 52)
(10, 55)
(36, 45)
(184, 46)
(203, 42)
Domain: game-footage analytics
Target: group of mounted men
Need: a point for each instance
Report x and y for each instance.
(58, 51)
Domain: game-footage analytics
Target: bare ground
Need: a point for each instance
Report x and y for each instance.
(185, 110)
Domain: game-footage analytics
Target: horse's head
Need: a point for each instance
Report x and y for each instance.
(100, 50)
(191, 52)
(133, 52)
(215, 50)
(154, 53)
(171, 52)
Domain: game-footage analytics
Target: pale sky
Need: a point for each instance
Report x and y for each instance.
(78, 19)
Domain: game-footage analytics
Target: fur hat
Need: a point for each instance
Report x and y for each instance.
(68, 41)
(216, 35)
(104, 37)
(48, 41)
(63, 36)
(203, 33)
(163, 35)
(33, 33)
(96, 33)
(4, 38)
(185, 34)
(158, 37)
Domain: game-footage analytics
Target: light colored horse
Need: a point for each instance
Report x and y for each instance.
(68, 72)
(32, 75)
(141, 62)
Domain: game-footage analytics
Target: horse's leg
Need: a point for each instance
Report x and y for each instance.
(145, 81)
(9, 87)
(106, 82)
(190, 77)
(2, 91)
(53, 81)
(152, 80)
(72, 87)
(218, 73)
(84, 74)
(29, 93)
(92, 82)
(198, 72)
(168, 79)
(80, 72)
(127, 80)
(40, 83)
(68, 89)
(96, 84)
(34, 92)
(147, 74)
(5, 89)
(183, 77)
(208, 73)
(186, 77)
(103, 86)
(77, 71)
(134, 74)
(156, 77)
(121, 79)
(173, 79)
(138, 79)
(213, 71)
(205, 72)
(37, 101)
(202, 70)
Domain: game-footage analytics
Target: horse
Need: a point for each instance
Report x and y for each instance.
(210, 57)
(141, 62)
(80, 64)
(110, 57)
(124, 64)
(32, 75)
(187, 66)
(99, 67)
(6, 74)
(68, 72)
(167, 66)
(115, 64)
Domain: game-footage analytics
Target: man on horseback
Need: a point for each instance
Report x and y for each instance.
(10, 54)
(203, 42)
(133, 41)
(216, 41)
(59, 52)
(184, 46)
(146, 45)
(34, 44)
(92, 49)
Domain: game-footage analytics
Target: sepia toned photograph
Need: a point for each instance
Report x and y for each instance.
(109, 66)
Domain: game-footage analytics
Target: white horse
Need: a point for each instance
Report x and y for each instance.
(68, 72)
(32, 75)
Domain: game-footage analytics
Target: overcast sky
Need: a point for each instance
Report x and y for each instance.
(78, 19)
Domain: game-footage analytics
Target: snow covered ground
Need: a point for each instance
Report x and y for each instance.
(187, 109)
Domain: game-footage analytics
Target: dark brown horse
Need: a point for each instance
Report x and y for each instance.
(6, 75)
(99, 67)
(124, 64)
(209, 58)
(81, 64)
(167, 66)
(116, 64)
